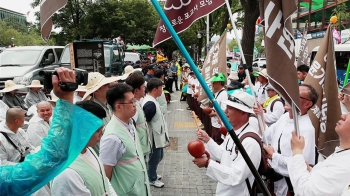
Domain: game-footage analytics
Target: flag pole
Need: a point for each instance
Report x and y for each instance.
(347, 74)
(211, 97)
(260, 121)
(295, 119)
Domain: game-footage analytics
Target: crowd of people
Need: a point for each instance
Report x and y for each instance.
(122, 156)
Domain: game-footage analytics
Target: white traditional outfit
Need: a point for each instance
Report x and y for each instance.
(37, 129)
(274, 109)
(279, 136)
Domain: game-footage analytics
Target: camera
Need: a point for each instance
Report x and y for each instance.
(81, 79)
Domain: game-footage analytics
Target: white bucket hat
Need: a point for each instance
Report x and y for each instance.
(241, 101)
(96, 81)
(127, 71)
(263, 73)
(11, 86)
(54, 98)
(35, 84)
(81, 89)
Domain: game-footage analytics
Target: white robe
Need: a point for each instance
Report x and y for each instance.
(328, 177)
(232, 171)
(37, 130)
(8, 154)
(282, 130)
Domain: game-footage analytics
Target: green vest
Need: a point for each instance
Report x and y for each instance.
(91, 175)
(129, 176)
(143, 131)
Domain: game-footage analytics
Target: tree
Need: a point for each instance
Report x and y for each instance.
(341, 11)
(232, 44)
(251, 14)
(261, 49)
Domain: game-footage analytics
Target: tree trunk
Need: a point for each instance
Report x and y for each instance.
(251, 13)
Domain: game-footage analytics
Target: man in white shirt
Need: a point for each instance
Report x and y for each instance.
(14, 142)
(225, 165)
(273, 106)
(329, 177)
(39, 125)
(220, 94)
(278, 137)
(263, 79)
(85, 176)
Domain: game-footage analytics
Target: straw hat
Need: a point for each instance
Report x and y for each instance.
(263, 73)
(186, 65)
(127, 71)
(11, 86)
(35, 84)
(96, 81)
(241, 101)
(81, 89)
(54, 98)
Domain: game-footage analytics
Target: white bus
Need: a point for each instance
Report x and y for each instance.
(342, 55)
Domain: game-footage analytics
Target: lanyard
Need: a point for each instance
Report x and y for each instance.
(230, 150)
(103, 181)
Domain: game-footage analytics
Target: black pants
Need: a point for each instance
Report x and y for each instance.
(169, 85)
(175, 80)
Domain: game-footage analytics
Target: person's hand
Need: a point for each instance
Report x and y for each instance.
(64, 75)
(269, 151)
(258, 110)
(201, 161)
(202, 135)
(297, 143)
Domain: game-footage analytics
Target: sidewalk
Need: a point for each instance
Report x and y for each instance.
(180, 175)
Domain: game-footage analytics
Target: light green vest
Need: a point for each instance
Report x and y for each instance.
(143, 132)
(157, 125)
(129, 176)
(91, 175)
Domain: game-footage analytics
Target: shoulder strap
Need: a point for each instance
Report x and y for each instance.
(219, 93)
(273, 103)
(11, 142)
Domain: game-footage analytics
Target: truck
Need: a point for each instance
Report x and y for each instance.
(113, 56)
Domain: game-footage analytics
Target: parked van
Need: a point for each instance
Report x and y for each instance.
(22, 64)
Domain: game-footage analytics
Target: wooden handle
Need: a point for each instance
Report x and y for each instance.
(195, 119)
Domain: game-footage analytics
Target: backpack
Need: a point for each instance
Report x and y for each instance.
(266, 172)
(273, 103)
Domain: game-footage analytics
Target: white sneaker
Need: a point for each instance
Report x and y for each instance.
(159, 177)
(157, 184)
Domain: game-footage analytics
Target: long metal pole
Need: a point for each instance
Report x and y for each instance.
(260, 121)
(211, 97)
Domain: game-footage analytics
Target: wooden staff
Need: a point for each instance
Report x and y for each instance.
(195, 119)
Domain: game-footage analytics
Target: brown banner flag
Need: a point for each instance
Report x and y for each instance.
(182, 13)
(47, 9)
(215, 62)
(326, 112)
(279, 48)
(304, 49)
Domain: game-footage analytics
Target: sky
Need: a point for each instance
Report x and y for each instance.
(23, 6)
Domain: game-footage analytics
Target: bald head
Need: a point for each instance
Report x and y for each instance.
(14, 113)
(44, 110)
(43, 104)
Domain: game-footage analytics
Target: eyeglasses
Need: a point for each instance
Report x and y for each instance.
(133, 102)
(305, 99)
(234, 99)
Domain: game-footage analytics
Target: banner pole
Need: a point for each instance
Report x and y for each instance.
(347, 74)
(295, 119)
(260, 121)
(211, 97)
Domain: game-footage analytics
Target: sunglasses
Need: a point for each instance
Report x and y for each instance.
(235, 100)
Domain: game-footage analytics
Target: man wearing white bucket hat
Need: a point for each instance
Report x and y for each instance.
(263, 79)
(35, 94)
(231, 171)
(10, 98)
(97, 87)
(79, 93)
(127, 71)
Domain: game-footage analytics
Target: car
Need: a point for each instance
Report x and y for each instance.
(132, 57)
(23, 64)
(258, 64)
